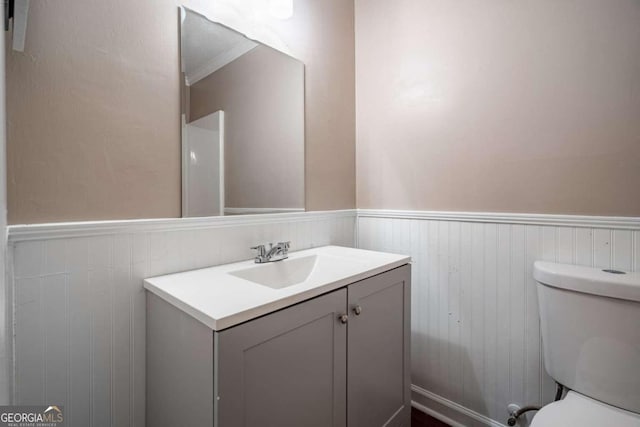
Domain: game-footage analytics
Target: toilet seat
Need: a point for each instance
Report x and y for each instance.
(578, 410)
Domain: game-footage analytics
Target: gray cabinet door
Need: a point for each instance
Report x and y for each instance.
(286, 369)
(379, 350)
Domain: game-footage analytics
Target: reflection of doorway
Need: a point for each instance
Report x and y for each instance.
(203, 166)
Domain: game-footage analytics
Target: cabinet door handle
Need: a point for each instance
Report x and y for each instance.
(357, 310)
(343, 318)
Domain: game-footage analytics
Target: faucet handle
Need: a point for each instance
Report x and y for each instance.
(285, 245)
(260, 249)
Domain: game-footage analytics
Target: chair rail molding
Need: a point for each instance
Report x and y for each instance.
(614, 222)
(46, 231)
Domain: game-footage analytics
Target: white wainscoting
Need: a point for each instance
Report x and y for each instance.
(476, 343)
(79, 306)
(79, 314)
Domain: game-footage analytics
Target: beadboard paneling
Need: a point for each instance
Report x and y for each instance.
(475, 329)
(79, 306)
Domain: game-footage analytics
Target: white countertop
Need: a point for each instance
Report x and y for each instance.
(221, 300)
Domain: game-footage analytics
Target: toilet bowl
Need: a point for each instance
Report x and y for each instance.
(576, 410)
(590, 326)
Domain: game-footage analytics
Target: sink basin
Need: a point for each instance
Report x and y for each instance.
(227, 295)
(280, 274)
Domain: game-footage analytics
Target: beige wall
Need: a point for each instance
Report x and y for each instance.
(93, 109)
(262, 96)
(93, 113)
(503, 106)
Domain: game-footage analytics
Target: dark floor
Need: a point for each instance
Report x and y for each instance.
(420, 419)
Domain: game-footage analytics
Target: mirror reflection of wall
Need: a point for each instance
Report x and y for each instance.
(243, 123)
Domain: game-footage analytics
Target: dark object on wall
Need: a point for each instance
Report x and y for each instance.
(16, 11)
(8, 12)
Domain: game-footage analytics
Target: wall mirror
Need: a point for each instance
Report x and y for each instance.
(242, 123)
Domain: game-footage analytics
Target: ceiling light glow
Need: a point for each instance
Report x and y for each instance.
(281, 9)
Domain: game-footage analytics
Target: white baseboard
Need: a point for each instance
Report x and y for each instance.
(435, 414)
(458, 415)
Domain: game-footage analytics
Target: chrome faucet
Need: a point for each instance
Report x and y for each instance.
(275, 253)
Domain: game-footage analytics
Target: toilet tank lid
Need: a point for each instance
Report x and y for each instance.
(588, 280)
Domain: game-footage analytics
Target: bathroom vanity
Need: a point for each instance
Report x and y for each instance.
(319, 339)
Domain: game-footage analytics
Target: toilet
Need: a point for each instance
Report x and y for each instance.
(590, 325)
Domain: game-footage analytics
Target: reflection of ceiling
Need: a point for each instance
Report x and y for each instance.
(207, 46)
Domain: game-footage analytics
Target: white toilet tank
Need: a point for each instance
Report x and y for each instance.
(590, 324)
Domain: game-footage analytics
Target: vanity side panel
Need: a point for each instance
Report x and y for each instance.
(179, 374)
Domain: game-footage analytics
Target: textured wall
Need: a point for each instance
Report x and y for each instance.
(500, 106)
(262, 95)
(93, 113)
(93, 108)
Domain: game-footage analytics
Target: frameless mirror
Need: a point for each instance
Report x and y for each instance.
(242, 123)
